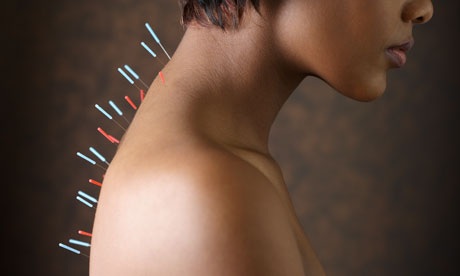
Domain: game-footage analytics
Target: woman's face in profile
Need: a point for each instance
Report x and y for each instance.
(351, 44)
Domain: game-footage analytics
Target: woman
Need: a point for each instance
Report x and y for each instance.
(193, 189)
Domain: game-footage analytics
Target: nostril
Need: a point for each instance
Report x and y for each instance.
(419, 20)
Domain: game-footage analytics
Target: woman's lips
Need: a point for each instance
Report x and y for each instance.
(397, 53)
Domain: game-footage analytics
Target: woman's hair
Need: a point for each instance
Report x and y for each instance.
(222, 13)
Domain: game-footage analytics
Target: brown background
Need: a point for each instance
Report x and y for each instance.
(375, 184)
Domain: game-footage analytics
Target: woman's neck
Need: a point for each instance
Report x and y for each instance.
(235, 81)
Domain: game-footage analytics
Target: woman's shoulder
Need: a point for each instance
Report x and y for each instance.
(202, 175)
(203, 208)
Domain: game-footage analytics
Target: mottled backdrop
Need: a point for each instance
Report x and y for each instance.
(375, 184)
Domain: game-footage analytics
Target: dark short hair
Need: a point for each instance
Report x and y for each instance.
(222, 13)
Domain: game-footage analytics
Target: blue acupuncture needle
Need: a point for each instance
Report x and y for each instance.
(106, 114)
(89, 160)
(73, 250)
(102, 158)
(157, 40)
(130, 80)
(84, 157)
(84, 202)
(118, 110)
(87, 196)
(77, 242)
(135, 75)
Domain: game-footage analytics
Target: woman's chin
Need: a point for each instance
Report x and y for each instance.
(363, 91)
(367, 96)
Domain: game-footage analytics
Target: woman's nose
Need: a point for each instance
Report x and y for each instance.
(418, 11)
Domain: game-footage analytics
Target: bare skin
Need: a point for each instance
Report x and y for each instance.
(193, 189)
